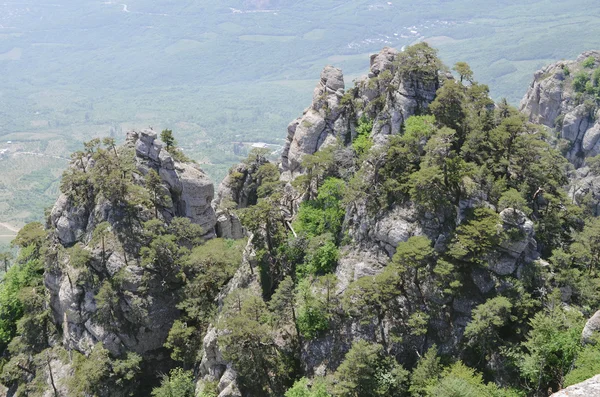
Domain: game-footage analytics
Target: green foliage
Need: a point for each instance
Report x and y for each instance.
(512, 199)
(594, 164)
(580, 80)
(301, 389)
(551, 348)
(449, 109)
(586, 366)
(596, 77)
(249, 345)
(419, 61)
(268, 179)
(325, 214)
(476, 238)
(482, 332)
(460, 380)
(99, 372)
(363, 142)
(426, 373)
(167, 137)
(178, 383)
(183, 343)
(31, 234)
(313, 318)
(322, 256)
(366, 371)
(19, 278)
(589, 62)
(464, 71)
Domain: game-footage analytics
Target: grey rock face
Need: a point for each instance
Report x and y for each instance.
(239, 186)
(229, 226)
(521, 246)
(70, 222)
(588, 388)
(310, 131)
(591, 329)
(584, 189)
(552, 101)
(188, 193)
(390, 108)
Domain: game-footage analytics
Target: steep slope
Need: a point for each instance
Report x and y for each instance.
(406, 232)
(416, 239)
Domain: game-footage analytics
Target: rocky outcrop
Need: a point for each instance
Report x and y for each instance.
(187, 192)
(384, 95)
(320, 123)
(584, 189)
(145, 311)
(553, 101)
(591, 329)
(212, 365)
(588, 388)
(391, 107)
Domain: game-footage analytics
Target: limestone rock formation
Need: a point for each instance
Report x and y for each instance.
(186, 192)
(591, 329)
(588, 388)
(552, 100)
(390, 108)
(319, 122)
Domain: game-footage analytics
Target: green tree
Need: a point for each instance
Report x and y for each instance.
(5, 259)
(476, 238)
(580, 80)
(426, 374)
(154, 185)
(448, 109)
(366, 371)
(461, 381)
(248, 344)
(178, 383)
(464, 71)
(419, 61)
(551, 348)
(283, 304)
(589, 62)
(482, 332)
(167, 137)
(301, 388)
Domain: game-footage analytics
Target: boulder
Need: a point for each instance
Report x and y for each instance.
(588, 388)
(591, 329)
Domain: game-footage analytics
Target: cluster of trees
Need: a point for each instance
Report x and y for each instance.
(462, 149)
(456, 165)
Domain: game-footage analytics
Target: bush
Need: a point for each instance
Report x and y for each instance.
(579, 81)
(179, 383)
(363, 142)
(589, 62)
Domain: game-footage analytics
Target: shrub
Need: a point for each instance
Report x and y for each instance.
(589, 62)
(579, 81)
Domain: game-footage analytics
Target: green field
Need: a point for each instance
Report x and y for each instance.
(218, 73)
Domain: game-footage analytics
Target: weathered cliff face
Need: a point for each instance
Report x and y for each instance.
(389, 97)
(554, 101)
(145, 311)
(321, 122)
(384, 95)
(186, 192)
